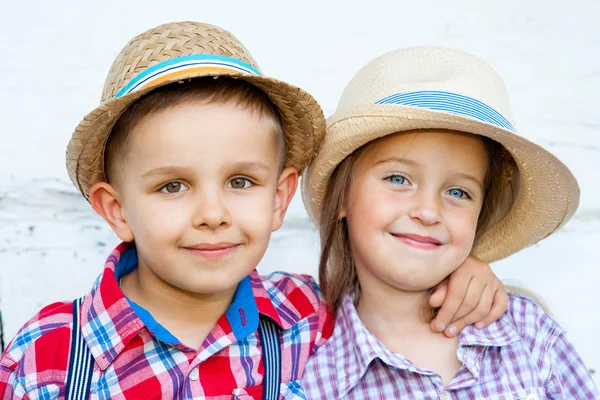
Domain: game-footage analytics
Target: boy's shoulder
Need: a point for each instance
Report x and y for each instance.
(290, 292)
(46, 336)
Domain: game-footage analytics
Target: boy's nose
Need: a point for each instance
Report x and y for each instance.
(211, 212)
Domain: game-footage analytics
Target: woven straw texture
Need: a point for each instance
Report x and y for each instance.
(301, 114)
(548, 193)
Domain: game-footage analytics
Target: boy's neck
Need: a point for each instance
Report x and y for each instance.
(188, 316)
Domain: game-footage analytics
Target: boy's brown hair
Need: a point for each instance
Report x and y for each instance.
(223, 90)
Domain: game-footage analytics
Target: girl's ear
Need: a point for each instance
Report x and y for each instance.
(342, 213)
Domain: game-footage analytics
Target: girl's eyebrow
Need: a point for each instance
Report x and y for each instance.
(413, 163)
(399, 160)
(468, 177)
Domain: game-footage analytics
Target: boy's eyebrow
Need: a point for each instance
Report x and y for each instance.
(250, 165)
(172, 170)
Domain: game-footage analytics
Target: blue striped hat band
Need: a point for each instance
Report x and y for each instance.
(172, 68)
(453, 103)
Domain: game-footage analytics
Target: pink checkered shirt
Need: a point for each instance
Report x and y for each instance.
(524, 355)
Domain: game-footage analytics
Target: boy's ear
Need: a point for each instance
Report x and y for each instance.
(286, 187)
(106, 201)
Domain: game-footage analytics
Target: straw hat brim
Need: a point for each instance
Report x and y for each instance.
(548, 193)
(301, 114)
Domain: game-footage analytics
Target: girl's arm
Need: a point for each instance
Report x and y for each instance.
(472, 294)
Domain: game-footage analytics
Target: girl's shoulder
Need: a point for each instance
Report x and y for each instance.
(547, 348)
(530, 317)
(536, 328)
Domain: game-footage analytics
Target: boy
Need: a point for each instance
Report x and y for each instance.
(193, 173)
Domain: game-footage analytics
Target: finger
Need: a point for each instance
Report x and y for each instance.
(481, 311)
(471, 301)
(439, 294)
(457, 288)
(455, 328)
(470, 305)
(499, 307)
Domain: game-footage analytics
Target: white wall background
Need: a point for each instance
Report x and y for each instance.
(54, 57)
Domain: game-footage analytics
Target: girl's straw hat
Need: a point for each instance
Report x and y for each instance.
(177, 52)
(433, 87)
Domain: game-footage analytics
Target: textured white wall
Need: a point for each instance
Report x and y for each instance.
(54, 56)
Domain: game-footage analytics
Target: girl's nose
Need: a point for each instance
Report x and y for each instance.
(426, 209)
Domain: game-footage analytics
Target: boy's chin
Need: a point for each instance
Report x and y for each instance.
(211, 284)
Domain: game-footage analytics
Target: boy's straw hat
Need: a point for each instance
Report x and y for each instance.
(177, 52)
(433, 87)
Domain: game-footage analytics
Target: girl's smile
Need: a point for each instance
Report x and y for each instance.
(418, 241)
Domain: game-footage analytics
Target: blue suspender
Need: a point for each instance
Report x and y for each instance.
(81, 363)
(270, 339)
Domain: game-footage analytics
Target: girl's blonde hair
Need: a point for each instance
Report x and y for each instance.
(337, 273)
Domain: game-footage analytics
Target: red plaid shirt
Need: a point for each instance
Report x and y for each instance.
(135, 360)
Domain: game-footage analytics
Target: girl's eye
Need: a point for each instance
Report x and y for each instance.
(458, 193)
(240, 183)
(397, 179)
(173, 187)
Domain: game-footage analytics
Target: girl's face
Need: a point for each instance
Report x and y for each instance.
(413, 206)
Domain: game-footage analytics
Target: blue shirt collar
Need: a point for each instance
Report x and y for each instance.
(242, 314)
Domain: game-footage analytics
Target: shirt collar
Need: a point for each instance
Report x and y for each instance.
(275, 297)
(357, 347)
(109, 322)
(501, 333)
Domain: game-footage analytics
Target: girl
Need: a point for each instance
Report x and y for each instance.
(421, 167)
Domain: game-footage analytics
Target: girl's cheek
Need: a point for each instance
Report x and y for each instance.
(464, 229)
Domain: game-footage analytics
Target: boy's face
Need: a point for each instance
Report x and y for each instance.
(201, 192)
(413, 207)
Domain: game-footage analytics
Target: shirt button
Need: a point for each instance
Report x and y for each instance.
(445, 396)
(532, 396)
(194, 375)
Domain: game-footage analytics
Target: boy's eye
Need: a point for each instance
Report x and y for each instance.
(239, 183)
(397, 179)
(173, 187)
(458, 193)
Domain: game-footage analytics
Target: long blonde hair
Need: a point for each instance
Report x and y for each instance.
(337, 272)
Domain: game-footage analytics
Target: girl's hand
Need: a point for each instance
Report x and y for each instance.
(472, 294)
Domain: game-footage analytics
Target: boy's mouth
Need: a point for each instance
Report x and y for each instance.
(212, 250)
(418, 241)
